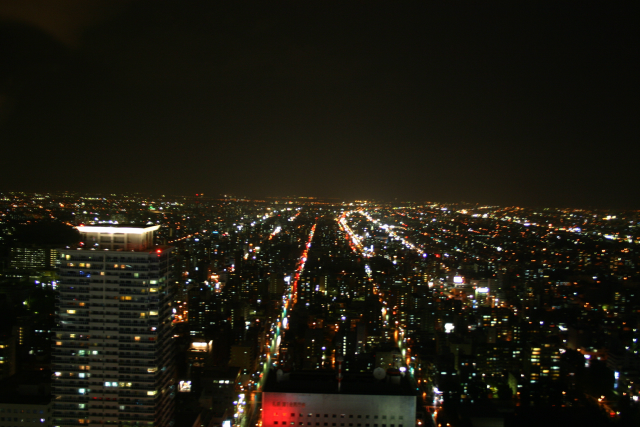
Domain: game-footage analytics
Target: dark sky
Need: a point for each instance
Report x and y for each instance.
(535, 104)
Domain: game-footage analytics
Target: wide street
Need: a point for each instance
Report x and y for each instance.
(248, 412)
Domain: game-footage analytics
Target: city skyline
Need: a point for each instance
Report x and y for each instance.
(240, 313)
(527, 105)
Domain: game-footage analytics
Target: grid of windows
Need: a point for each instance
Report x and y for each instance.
(22, 414)
(310, 419)
(113, 352)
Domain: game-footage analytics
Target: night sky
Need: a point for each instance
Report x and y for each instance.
(535, 104)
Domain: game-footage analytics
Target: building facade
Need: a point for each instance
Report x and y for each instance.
(27, 257)
(35, 412)
(317, 399)
(337, 410)
(113, 357)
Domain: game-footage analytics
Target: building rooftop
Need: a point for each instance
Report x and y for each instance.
(326, 382)
(117, 228)
(27, 388)
(117, 237)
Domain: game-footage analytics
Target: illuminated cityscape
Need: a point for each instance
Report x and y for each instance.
(319, 214)
(468, 314)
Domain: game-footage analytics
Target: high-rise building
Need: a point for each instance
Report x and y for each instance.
(542, 361)
(113, 357)
(32, 257)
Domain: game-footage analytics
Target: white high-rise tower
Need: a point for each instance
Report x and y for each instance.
(113, 357)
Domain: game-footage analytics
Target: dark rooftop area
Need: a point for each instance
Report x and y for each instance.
(327, 382)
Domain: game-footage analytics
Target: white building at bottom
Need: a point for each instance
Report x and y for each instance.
(307, 400)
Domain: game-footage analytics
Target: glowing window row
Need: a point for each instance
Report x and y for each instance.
(301, 423)
(310, 414)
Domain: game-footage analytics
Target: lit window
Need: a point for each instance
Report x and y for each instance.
(71, 311)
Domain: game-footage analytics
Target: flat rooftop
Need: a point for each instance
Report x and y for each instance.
(325, 382)
(27, 388)
(117, 228)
